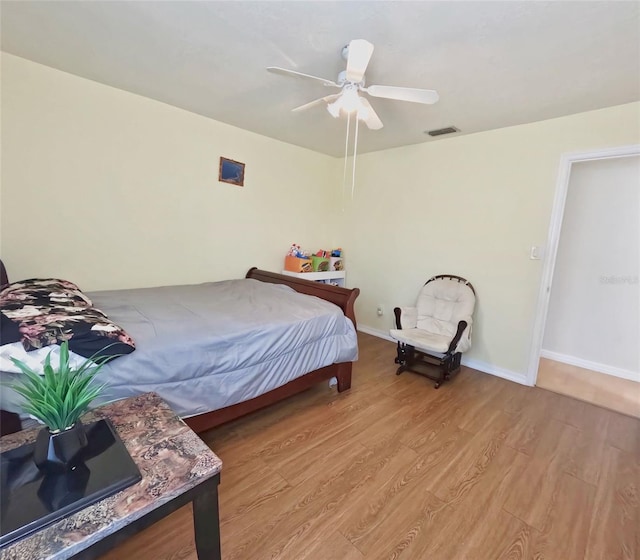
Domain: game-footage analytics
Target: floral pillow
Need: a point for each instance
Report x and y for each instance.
(39, 313)
(40, 292)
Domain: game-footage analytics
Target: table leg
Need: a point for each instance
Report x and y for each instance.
(206, 521)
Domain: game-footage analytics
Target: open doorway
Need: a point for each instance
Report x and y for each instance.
(588, 319)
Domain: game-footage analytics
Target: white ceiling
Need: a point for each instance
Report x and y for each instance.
(494, 64)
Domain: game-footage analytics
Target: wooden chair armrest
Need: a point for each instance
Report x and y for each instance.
(462, 325)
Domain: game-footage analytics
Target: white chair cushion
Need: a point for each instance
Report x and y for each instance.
(442, 304)
(408, 317)
(445, 300)
(422, 340)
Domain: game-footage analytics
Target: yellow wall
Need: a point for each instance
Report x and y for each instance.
(472, 206)
(113, 190)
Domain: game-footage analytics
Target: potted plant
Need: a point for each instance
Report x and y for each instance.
(58, 399)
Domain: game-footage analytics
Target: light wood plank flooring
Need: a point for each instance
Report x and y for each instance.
(621, 395)
(480, 469)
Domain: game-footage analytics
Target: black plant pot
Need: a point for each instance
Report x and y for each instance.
(59, 489)
(59, 451)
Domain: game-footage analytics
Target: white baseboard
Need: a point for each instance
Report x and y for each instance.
(473, 364)
(376, 332)
(497, 371)
(593, 366)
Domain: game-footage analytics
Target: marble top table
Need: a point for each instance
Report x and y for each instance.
(176, 467)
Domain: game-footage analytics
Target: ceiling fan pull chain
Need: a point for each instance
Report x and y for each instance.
(346, 154)
(355, 149)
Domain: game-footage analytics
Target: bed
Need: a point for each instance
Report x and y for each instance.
(217, 351)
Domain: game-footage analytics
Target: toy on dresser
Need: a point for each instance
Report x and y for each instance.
(336, 262)
(295, 251)
(297, 260)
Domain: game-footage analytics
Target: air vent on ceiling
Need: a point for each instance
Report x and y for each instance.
(442, 131)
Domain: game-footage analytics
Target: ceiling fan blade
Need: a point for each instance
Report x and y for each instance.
(293, 73)
(370, 118)
(320, 101)
(414, 95)
(360, 52)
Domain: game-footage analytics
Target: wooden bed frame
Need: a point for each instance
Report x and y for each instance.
(342, 297)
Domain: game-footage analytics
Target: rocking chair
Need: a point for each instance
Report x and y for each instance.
(438, 329)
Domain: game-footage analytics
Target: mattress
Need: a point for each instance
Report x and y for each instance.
(207, 346)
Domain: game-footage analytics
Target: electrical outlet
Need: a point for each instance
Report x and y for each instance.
(380, 310)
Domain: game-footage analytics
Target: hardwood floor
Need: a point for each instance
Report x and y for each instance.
(615, 393)
(480, 469)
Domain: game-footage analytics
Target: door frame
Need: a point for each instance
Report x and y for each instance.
(553, 240)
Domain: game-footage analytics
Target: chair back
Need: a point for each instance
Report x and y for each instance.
(444, 301)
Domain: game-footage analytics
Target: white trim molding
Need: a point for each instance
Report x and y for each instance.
(473, 364)
(376, 332)
(553, 239)
(516, 377)
(593, 366)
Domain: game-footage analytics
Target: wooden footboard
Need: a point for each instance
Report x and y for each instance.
(343, 298)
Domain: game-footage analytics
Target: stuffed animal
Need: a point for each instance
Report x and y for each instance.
(294, 251)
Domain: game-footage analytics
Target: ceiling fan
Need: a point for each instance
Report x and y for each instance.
(352, 83)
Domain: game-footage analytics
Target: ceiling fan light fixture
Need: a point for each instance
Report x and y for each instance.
(334, 109)
(350, 100)
(363, 113)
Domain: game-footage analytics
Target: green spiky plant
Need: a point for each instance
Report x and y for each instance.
(62, 395)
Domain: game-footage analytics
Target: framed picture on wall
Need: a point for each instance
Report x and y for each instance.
(231, 172)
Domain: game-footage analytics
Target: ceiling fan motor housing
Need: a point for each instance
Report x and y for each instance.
(342, 79)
